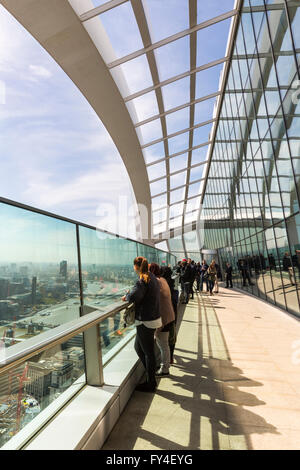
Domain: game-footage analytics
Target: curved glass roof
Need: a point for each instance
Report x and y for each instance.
(171, 55)
(154, 73)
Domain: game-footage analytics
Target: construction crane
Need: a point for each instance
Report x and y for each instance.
(22, 378)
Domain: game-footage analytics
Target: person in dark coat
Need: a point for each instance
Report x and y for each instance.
(193, 276)
(146, 297)
(186, 275)
(203, 269)
(272, 262)
(228, 275)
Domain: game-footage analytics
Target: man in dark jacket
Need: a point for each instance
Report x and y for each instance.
(193, 276)
(186, 275)
(228, 275)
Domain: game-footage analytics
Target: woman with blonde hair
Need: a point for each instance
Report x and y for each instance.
(146, 296)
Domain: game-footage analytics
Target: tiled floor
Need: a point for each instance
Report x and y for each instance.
(235, 383)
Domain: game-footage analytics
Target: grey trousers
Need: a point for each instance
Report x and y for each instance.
(162, 339)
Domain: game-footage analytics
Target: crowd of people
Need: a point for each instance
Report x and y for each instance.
(156, 296)
(202, 273)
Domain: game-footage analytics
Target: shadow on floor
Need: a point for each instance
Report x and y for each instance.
(208, 390)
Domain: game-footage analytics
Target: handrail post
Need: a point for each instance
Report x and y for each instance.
(93, 353)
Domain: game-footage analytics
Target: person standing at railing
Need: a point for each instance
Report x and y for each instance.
(167, 317)
(146, 297)
(167, 274)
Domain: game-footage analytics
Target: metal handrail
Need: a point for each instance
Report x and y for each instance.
(21, 352)
(20, 205)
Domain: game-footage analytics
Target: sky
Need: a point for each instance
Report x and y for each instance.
(56, 154)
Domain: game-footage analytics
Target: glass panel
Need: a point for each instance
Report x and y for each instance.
(178, 143)
(156, 171)
(204, 110)
(178, 180)
(176, 196)
(213, 39)
(145, 107)
(122, 29)
(197, 173)
(154, 152)
(212, 8)
(39, 280)
(106, 266)
(173, 58)
(137, 74)
(294, 13)
(149, 132)
(176, 93)
(207, 81)
(158, 187)
(178, 120)
(191, 242)
(178, 163)
(293, 264)
(176, 11)
(29, 388)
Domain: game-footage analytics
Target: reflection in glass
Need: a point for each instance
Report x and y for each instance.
(251, 204)
(39, 280)
(29, 388)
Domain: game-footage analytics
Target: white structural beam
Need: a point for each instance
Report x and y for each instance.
(101, 9)
(174, 79)
(175, 134)
(177, 108)
(182, 152)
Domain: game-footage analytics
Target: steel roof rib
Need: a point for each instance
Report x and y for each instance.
(174, 37)
(142, 23)
(101, 9)
(229, 52)
(193, 63)
(206, 66)
(177, 108)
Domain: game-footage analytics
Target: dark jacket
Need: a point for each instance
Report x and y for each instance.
(146, 299)
(203, 269)
(229, 271)
(193, 272)
(187, 275)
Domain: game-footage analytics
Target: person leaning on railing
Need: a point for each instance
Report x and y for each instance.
(167, 317)
(146, 297)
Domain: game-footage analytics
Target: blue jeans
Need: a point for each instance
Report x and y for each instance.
(211, 285)
(203, 279)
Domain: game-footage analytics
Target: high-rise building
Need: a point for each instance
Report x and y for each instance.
(63, 269)
(33, 290)
(4, 288)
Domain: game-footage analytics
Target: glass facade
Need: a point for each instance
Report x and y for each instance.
(53, 272)
(251, 203)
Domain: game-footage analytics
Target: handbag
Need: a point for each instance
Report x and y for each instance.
(129, 315)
